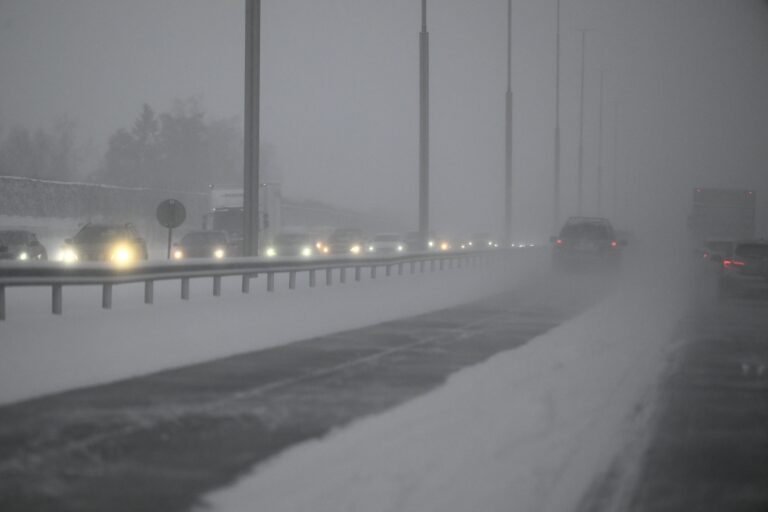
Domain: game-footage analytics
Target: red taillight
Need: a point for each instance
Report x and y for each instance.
(558, 242)
(733, 263)
(614, 243)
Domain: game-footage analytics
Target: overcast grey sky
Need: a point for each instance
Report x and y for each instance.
(340, 93)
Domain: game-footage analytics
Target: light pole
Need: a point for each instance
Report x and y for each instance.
(251, 131)
(581, 126)
(424, 127)
(508, 136)
(556, 192)
(600, 147)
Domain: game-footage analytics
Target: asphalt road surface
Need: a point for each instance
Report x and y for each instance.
(708, 449)
(161, 442)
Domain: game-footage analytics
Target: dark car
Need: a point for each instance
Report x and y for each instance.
(203, 244)
(21, 245)
(586, 243)
(292, 245)
(346, 241)
(745, 272)
(116, 243)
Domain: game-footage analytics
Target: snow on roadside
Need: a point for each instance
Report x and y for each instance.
(528, 430)
(41, 353)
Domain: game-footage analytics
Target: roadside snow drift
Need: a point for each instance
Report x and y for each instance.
(528, 430)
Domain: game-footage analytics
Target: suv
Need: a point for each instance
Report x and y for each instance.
(745, 271)
(116, 243)
(586, 242)
(20, 245)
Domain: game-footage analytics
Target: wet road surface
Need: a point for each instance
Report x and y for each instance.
(161, 442)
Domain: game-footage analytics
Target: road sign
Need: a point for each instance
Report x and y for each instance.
(171, 214)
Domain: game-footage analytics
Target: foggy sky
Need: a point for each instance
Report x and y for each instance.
(340, 94)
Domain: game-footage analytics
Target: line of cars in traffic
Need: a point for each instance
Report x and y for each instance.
(739, 267)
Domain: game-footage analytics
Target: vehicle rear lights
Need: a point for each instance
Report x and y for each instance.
(614, 243)
(558, 242)
(733, 263)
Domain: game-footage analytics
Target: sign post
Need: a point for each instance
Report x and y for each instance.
(171, 214)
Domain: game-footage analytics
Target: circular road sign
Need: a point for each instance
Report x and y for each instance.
(171, 213)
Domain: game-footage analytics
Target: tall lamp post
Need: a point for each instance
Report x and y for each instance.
(508, 136)
(251, 132)
(600, 147)
(556, 192)
(424, 127)
(581, 127)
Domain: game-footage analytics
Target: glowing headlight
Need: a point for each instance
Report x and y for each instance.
(178, 254)
(121, 255)
(23, 256)
(470, 244)
(271, 252)
(371, 248)
(519, 246)
(326, 250)
(355, 249)
(67, 255)
(463, 246)
(218, 253)
(400, 248)
(495, 245)
(490, 244)
(306, 251)
(445, 246)
(431, 243)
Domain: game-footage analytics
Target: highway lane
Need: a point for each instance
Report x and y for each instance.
(161, 441)
(707, 449)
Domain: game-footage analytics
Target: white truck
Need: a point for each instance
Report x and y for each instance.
(721, 214)
(226, 211)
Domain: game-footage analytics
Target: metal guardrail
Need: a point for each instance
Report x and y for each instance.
(57, 275)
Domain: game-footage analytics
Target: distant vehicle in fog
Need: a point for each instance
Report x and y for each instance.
(292, 245)
(483, 241)
(745, 272)
(21, 245)
(386, 243)
(586, 242)
(119, 244)
(346, 241)
(202, 244)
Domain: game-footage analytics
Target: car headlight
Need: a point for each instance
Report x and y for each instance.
(445, 246)
(23, 256)
(463, 246)
(121, 255)
(67, 255)
(355, 249)
(326, 249)
(219, 253)
(400, 248)
(431, 243)
(178, 254)
(271, 252)
(306, 251)
(371, 248)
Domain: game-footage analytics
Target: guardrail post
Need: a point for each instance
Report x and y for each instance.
(357, 273)
(400, 268)
(373, 271)
(56, 299)
(431, 265)
(312, 279)
(442, 263)
(106, 296)
(292, 280)
(149, 291)
(2, 302)
(422, 264)
(246, 284)
(328, 277)
(217, 286)
(343, 275)
(270, 281)
(184, 288)
(413, 267)
(388, 270)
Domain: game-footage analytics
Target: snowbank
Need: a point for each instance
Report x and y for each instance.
(528, 430)
(41, 353)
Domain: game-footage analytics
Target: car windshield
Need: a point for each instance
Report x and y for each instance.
(386, 238)
(752, 250)
(292, 239)
(95, 234)
(204, 238)
(13, 237)
(586, 230)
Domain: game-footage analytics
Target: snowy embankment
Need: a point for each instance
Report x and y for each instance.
(41, 353)
(528, 430)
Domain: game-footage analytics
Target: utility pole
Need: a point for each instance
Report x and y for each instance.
(600, 147)
(251, 142)
(615, 158)
(424, 127)
(508, 136)
(581, 127)
(556, 192)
